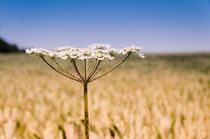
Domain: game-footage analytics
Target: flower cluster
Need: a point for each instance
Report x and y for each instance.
(38, 51)
(94, 51)
(132, 50)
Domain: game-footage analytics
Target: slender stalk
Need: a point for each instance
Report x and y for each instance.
(93, 71)
(59, 71)
(64, 69)
(94, 66)
(85, 69)
(111, 69)
(99, 69)
(86, 111)
(76, 70)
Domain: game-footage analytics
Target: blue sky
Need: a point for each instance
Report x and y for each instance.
(156, 25)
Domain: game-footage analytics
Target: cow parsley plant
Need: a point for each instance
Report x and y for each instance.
(100, 53)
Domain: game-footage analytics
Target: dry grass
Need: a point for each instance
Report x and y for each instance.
(160, 97)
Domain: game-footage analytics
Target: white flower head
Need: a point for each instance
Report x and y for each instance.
(37, 51)
(132, 50)
(94, 51)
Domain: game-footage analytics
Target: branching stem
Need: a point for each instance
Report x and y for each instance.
(59, 71)
(111, 69)
(64, 69)
(84, 80)
(93, 71)
(94, 66)
(99, 69)
(76, 70)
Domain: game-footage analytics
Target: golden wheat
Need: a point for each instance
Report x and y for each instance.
(159, 97)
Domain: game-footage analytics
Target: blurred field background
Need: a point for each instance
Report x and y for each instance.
(159, 97)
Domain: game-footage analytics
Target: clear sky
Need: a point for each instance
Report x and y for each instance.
(156, 25)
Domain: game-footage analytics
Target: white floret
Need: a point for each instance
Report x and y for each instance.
(132, 50)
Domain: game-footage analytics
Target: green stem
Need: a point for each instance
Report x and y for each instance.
(86, 110)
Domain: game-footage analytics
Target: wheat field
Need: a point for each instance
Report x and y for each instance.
(159, 97)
